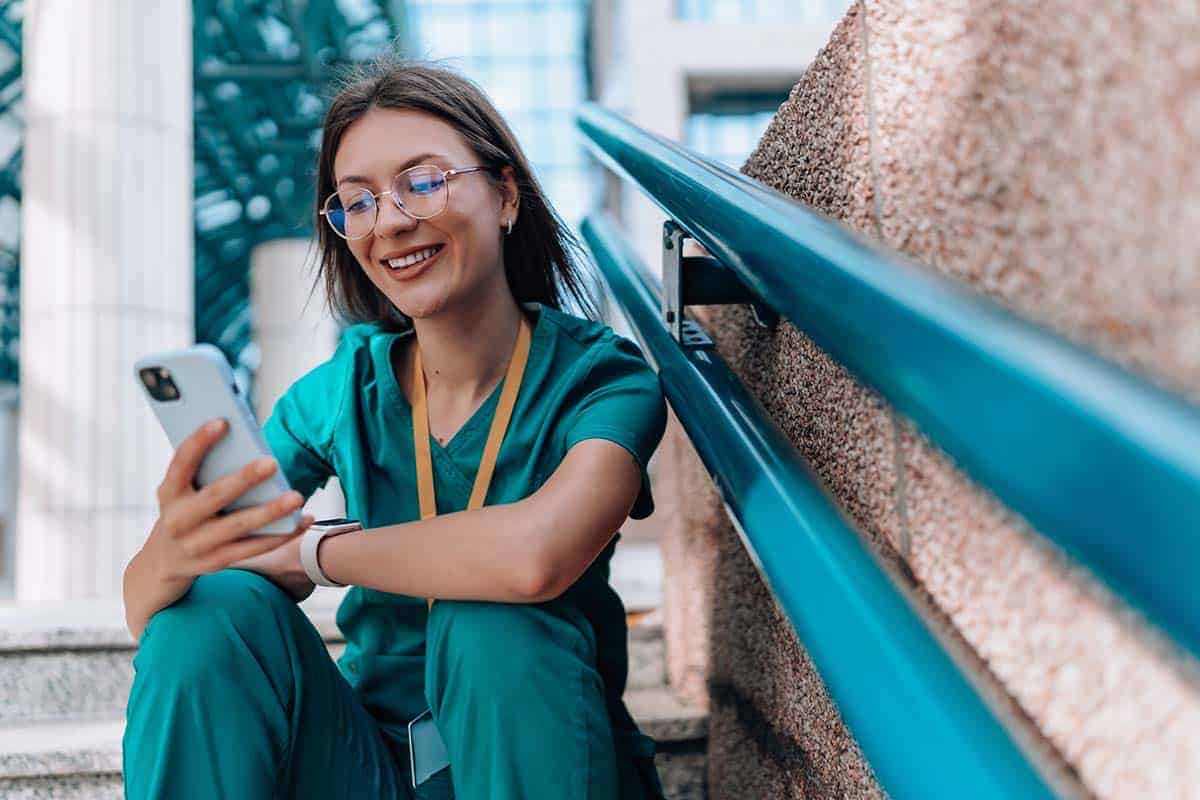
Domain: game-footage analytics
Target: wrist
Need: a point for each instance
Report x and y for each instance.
(323, 558)
(314, 539)
(151, 562)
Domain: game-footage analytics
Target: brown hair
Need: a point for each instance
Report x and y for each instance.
(541, 255)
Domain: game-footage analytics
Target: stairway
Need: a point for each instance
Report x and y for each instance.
(65, 676)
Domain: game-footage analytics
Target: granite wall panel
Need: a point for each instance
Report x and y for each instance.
(689, 542)
(1038, 152)
(1043, 154)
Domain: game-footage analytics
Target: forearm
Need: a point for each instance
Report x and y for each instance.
(146, 591)
(491, 553)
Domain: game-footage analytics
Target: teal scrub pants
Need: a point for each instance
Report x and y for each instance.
(236, 697)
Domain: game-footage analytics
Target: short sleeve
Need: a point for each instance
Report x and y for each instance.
(302, 456)
(622, 402)
(301, 426)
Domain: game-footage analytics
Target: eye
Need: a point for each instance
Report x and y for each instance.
(358, 203)
(424, 182)
(426, 186)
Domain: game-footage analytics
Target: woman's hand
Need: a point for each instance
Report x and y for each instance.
(190, 538)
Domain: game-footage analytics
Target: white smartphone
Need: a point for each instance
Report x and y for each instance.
(187, 388)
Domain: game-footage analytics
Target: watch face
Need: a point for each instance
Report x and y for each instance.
(336, 526)
(327, 523)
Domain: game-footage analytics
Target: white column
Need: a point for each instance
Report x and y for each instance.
(294, 332)
(8, 487)
(106, 277)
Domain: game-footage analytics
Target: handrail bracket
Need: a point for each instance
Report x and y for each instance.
(700, 280)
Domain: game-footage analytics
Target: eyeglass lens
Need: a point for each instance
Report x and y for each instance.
(421, 191)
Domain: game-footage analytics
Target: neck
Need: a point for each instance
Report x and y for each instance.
(465, 351)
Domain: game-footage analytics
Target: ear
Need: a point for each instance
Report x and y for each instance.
(510, 194)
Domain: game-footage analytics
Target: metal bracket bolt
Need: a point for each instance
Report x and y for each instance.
(700, 280)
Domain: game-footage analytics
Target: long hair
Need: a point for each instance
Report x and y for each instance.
(542, 258)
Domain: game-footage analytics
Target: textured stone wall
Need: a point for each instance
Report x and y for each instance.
(1043, 153)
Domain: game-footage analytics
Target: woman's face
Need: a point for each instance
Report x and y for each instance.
(466, 236)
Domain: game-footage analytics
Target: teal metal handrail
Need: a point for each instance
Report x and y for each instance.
(925, 731)
(1101, 462)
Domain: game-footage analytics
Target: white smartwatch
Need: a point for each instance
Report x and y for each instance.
(312, 539)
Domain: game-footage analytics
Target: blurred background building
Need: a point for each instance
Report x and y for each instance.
(239, 118)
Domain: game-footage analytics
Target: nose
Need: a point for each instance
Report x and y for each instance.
(391, 219)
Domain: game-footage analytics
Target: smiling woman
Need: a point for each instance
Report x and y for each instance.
(490, 443)
(462, 233)
(450, 125)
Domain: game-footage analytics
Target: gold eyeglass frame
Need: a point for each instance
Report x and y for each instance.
(447, 174)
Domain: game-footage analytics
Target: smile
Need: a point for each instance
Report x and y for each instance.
(413, 259)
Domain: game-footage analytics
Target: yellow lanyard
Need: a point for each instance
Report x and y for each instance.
(487, 463)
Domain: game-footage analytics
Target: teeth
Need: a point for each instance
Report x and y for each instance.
(412, 258)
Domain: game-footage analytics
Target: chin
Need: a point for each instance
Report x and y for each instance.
(421, 307)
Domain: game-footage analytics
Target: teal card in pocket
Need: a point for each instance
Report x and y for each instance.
(426, 751)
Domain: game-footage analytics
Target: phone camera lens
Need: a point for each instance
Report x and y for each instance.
(158, 382)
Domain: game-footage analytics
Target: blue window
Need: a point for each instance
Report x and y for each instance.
(529, 58)
(739, 11)
(728, 138)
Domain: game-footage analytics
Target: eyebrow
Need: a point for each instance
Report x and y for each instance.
(412, 162)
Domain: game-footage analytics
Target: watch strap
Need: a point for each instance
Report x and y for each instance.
(309, 543)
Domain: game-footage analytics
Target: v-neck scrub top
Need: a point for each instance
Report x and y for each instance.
(348, 417)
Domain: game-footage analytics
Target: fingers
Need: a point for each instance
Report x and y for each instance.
(242, 549)
(190, 512)
(240, 523)
(251, 546)
(182, 469)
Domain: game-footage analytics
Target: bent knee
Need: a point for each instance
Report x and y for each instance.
(207, 627)
(503, 643)
(487, 627)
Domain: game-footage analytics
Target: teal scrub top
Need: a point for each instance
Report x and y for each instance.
(348, 417)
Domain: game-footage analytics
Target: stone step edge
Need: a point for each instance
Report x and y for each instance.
(101, 625)
(93, 747)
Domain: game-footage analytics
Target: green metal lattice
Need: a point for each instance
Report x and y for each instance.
(11, 125)
(261, 71)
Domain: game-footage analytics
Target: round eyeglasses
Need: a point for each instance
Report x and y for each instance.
(420, 191)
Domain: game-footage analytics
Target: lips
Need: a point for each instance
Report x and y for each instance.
(412, 258)
(414, 262)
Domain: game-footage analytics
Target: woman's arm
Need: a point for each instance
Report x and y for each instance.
(523, 552)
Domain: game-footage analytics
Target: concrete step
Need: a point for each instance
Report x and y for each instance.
(77, 662)
(73, 760)
(681, 733)
(80, 758)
